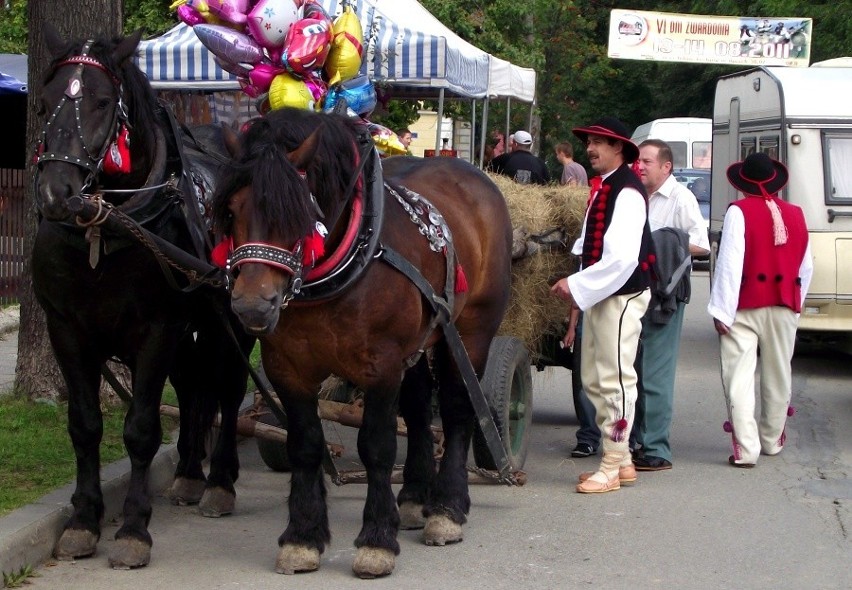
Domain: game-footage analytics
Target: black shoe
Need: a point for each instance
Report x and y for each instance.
(583, 450)
(651, 463)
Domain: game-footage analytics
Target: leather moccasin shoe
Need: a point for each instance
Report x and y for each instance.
(590, 486)
(651, 463)
(626, 475)
(733, 462)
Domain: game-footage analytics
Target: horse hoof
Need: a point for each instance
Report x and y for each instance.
(373, 562)
(411, 516)
(440, 530)
(185, 491)
(129, 553)
(297, 558)
(217, 502)
(75, 543)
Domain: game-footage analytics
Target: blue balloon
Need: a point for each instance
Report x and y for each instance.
(359, 94)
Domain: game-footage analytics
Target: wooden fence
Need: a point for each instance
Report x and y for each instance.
(13, 208)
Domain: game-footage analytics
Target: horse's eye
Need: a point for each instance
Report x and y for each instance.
(104, 103)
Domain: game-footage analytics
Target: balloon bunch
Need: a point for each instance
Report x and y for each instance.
(287, 53)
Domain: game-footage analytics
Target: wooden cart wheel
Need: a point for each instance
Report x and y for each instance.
(507, 384)
(272, 453)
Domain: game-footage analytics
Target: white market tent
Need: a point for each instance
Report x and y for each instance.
(407, 48)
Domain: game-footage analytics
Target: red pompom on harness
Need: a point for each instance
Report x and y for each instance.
(117, 158)
(220, 254)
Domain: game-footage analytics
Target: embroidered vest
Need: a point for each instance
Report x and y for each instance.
(599, 217)
(770, 272)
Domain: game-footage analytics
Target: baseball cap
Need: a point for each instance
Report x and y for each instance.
(522, 138)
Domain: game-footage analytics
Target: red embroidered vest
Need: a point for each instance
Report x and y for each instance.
(770, 272)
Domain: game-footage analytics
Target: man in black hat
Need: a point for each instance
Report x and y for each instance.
(761, 278)
(611, 288)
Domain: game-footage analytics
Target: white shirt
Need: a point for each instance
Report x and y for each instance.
(619, 257)
(674, 205)
(728, 273)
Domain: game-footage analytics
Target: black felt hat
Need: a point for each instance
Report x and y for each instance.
(610, 127)
(758, 175)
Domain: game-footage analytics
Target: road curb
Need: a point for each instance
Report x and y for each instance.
(28, 534)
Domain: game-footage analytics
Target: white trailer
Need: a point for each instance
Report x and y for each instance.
(689, 138)
(802, 117)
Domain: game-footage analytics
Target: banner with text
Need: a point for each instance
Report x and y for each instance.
(662, 36)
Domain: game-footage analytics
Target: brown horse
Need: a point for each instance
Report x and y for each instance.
(444, 217)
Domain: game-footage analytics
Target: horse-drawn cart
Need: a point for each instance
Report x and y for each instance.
(135, 285)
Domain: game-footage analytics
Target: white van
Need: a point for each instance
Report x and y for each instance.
(689, 138)
(802, 117)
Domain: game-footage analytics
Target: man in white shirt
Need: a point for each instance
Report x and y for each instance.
(611, 288)
(761, 279)
(670, 205)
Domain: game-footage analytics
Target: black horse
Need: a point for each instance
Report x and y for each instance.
(106, 295)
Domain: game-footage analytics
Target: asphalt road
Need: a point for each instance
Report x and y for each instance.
(704, 524)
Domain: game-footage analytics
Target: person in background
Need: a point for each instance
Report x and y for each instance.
(761, 278)
(404, 137)
(573, 174)
(611, 288)
(671, 206)
(588, 435)
(520, 165)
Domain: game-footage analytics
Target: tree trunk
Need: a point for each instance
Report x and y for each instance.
(37, 374)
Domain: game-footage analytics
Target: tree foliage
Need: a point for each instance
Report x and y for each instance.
(13, 27)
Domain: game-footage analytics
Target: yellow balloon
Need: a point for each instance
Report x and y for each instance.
(386, 141)
(287, 91)
(347, 48)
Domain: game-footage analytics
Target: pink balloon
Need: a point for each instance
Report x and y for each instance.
(187, 14)
(262, 74)
(229, 44)
(269, 21)
(249, 89)
(317, 86)
(233, 11)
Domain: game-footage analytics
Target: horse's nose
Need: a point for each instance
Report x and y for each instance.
(54, 198)
(257, 312)
(56, 182)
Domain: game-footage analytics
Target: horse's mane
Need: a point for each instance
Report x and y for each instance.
(279, 194)
(142, 107)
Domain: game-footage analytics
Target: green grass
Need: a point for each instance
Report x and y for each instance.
(36, 451)
(36, 456)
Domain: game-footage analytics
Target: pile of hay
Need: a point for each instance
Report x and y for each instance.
(555, 213)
